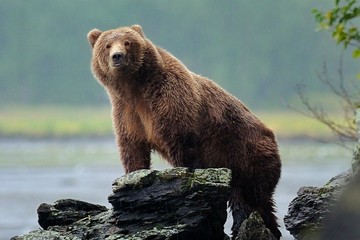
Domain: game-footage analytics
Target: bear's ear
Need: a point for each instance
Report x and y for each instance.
(138, 29)
(93, 35)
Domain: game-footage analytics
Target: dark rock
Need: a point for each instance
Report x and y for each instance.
(309, 211)
(65, 212)
(254, 228)
(147, 204)
(344, 221)
(194, 202)
(332, 211)
(356, 158)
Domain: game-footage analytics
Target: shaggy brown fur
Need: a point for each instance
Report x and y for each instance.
(158, 104)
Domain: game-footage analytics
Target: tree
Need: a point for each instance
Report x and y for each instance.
(340, 21)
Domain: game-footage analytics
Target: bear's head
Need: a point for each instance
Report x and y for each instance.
(117, 50)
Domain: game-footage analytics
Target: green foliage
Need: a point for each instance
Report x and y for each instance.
(341, 22)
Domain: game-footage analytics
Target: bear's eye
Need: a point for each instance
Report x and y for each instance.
(126, 43)
(108, 46)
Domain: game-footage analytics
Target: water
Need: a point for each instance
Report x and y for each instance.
(33, 172)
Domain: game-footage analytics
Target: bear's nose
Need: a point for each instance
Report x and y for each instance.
(117, 56)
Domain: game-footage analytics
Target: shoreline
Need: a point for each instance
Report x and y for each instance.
(96, 137)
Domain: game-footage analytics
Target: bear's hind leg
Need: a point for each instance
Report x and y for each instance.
(242, 206)
(267, 213)
(241, 211)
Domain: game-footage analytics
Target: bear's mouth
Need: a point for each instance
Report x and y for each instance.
(117, 65)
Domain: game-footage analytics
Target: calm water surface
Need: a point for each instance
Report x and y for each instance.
(33, 172)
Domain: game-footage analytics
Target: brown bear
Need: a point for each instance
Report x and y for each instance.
(158, 104)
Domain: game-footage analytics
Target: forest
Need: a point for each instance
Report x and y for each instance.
(258, 51)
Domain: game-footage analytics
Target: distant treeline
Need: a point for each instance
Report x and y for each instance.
(258, 50)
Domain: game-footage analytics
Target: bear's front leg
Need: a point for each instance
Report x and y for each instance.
(134, 155)
(134, 151)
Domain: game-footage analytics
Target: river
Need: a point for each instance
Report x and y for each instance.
(37, 171)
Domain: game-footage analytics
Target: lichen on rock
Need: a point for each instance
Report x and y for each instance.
(253, 228)
(134, 180)
(45, 234)
(213, 176)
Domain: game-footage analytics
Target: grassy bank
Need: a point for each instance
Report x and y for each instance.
(50, 121)
(59, 121)
(293, 125)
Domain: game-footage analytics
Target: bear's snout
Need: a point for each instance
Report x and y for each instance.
(117, 58)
